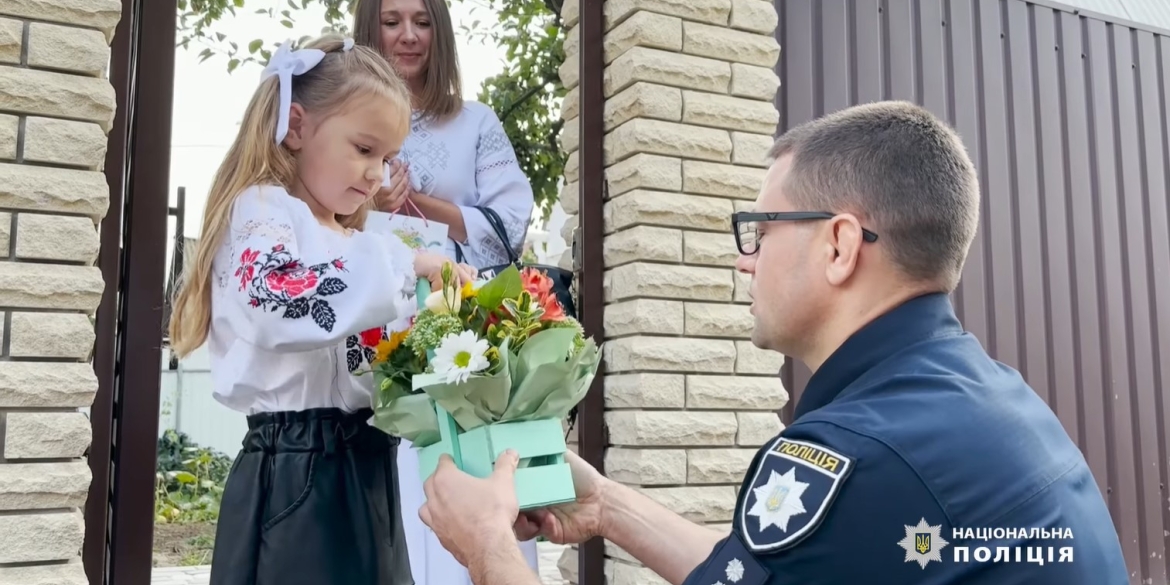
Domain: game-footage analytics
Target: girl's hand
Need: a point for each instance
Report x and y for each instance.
(430, 265)
(391, 198)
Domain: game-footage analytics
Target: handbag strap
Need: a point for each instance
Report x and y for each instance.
(497, 224)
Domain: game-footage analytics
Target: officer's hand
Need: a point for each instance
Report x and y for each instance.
(463, 524)
(569, 523)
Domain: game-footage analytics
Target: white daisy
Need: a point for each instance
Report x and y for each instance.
(460, 355)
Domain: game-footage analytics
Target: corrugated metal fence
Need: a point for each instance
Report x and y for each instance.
(1069, 278)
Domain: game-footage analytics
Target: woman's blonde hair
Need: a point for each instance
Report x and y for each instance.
(255, 158)
(442, 94)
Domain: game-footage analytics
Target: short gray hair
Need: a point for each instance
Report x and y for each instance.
(902, 171)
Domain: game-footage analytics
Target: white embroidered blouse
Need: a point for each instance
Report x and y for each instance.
(469, 161)
(297, 308)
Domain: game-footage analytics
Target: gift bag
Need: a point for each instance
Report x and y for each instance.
(417, 233)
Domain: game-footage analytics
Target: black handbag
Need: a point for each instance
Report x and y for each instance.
(562, 279)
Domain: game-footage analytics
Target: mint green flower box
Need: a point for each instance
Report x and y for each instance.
(543, 478)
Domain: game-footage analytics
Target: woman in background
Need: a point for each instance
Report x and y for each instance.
(456, 158)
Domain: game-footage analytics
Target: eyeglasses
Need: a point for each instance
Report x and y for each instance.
(745, 226)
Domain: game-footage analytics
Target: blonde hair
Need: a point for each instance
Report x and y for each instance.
(442, 94)
(255, 158)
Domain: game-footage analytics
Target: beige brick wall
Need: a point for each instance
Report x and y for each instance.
(689, 117)
(59, 107)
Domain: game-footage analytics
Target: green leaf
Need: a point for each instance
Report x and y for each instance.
(505, 285)
(184, 477)
(255, 46)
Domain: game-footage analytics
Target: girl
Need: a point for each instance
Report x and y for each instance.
(457, 158)
(291, 299)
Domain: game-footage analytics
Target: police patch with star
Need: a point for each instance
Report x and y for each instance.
(731, 564)
(793, 486)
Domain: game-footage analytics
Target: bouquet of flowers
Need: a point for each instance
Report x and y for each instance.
(488, 353)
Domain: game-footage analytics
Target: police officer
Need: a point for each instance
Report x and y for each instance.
(914, 458)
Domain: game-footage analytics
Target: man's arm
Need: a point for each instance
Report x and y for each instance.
(499, 562)
(665, 542)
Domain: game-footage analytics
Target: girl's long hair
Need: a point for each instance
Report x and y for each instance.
(255, 158)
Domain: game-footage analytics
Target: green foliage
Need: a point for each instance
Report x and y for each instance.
(189, 480)
(526, 95)
(429, 329)
(201, 547)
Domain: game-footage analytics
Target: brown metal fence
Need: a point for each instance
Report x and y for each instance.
(119, 513)
(1068, 280)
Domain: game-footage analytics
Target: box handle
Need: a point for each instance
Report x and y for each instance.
(448, 430)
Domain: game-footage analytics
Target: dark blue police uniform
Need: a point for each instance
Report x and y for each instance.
(913, 459)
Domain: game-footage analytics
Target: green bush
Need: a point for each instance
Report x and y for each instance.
(189, 480)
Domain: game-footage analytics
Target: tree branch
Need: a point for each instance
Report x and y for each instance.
(555, 6)
(527, 95)
(553, 143)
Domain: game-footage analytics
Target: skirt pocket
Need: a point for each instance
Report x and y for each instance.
(291, 477)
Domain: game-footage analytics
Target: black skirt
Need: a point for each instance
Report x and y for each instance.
(312, 498)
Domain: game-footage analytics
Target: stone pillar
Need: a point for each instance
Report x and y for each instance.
(689, 118)
(53, 60)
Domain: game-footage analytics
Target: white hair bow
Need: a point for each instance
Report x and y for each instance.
(285, 63)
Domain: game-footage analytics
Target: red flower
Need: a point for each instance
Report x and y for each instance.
(553, 311)
(536, 282)
(493, 319)
(371, 337)
(247, 269)
(293, 284)
(540, 286)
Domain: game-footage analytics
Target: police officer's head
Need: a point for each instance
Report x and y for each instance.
(900, 203)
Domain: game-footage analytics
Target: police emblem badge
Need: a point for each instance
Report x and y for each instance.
(793, 486)
(730, 564)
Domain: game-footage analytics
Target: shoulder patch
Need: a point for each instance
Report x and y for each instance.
(731, 563)
(793, 486)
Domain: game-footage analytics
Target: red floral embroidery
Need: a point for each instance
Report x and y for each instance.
(296, 282)
(361, 348)
(276, 280)
(247, 270)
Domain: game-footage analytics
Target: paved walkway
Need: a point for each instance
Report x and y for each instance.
(549, 573)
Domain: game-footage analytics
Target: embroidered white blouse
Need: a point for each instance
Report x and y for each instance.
(469, 161)
(297, 308)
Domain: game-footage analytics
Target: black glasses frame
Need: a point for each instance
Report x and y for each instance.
(740, 217)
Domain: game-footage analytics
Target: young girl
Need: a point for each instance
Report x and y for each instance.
(291, 299)
(456, 159)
